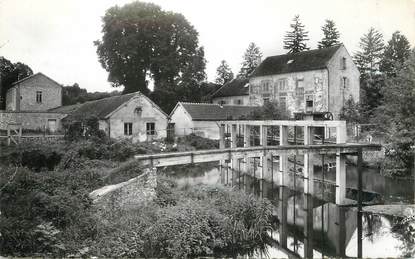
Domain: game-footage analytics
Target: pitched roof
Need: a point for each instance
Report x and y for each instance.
(104, 107)
(214, 112)
(33, 76)
(66, 109)
(296, 62)
(235, 87)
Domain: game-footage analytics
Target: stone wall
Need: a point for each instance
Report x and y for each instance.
(126, 195)
(30, 120)
(26, 91)
(294, 88)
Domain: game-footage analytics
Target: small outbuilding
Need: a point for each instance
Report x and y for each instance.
(201, 118)
(133, 116)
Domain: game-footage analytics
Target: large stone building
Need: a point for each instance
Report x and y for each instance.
(202, 118)
(34, 93)
(320, 80)
(28, 104)
(235, 92)
(133, 116)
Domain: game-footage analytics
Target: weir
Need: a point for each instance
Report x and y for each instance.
(253, 148)
(242, 159)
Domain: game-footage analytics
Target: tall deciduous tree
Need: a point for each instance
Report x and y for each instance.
(330, 35)
(396, 53)
(397, 114)
(251, 59)
(140, 40)
(224, 73)
(295, 40)
(10, 73)
(370, 54)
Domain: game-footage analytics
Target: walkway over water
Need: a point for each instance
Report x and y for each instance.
(246, 147)
(240, 133)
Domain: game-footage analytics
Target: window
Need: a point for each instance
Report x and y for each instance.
(238, 102)
(265, 86)
(283, 102)
(128, 129)
(222, 102)
(299, 91)
(266, 100)
(151, 128)
(344, 82)
(282, 84)
(309, 103)
(39, 96)
(343, 63)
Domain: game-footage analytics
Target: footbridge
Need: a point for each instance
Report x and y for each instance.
(242, 156)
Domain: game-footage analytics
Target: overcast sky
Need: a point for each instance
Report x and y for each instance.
(56, 36)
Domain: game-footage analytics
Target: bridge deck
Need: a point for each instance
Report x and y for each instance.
(201, 156)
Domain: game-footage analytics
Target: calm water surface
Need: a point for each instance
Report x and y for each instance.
(331, 229)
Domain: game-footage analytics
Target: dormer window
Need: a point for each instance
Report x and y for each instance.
(38, 96)
(343, 63)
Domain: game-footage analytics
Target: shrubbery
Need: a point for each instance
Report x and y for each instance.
(198, 221)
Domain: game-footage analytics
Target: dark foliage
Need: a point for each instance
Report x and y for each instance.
(396, 53)
(295, 40)
(330, 35)
(74, 94)
(10, 73)
(141, 41)
(269, 111)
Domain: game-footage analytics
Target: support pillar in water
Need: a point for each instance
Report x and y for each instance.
(283, 179)
(308, 169)
(341, 136)
(282, 215)
(308, 225)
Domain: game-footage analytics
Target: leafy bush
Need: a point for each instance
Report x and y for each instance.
(196, 221)
(198, 142)
(37, 209)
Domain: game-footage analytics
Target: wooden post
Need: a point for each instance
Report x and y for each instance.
(8, 136)
(222, 136)
(359, 204)
(308, 169)
(341, 136)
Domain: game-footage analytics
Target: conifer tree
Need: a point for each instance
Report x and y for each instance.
(396, 53)
(331, 35)
(370, 54)
(295, 40)
(224, 73)
(251, 59)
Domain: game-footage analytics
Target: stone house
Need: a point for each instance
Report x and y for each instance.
(30, 103)
(34, 93)
(234, 92)
(132, 116)
(319, 80)
(201, 118)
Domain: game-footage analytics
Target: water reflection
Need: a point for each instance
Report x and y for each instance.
(314, 226)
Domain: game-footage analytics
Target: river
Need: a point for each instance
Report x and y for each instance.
(331, 229)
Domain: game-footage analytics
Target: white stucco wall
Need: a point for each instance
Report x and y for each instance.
(129, 114)
(183, 124)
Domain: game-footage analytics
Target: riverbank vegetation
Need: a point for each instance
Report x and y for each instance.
(46, 210)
